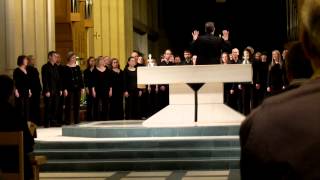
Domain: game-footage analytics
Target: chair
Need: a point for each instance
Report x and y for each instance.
(11, 156)
(36, 161)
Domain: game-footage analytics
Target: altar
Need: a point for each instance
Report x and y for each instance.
(181, 111)
(168, 140)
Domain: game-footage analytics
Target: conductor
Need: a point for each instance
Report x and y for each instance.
(208, 47)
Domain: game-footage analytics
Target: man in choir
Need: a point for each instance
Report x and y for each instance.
(284, 55)
(52, 89)
(246, 87)
(208, 47)
(187, 58)
(262, 77)
(284, 58)
(235, 56)
(163, 94)
(135, 54)
(167, 58)
(61, 99)
(256, 63)
(235, 97)
(177, 60)
(11, 121)
(281, 139)
(36, 89)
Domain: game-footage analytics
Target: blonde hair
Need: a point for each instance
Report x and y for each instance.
(98, 59)
(273, 60)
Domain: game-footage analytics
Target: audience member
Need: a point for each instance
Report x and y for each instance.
(281, 139)
(13, 122)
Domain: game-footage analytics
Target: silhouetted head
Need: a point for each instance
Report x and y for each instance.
(297, 65)
(209, 27)
(310, 18)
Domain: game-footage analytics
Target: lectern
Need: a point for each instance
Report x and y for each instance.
(181, 109)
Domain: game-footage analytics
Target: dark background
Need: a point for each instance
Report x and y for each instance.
(258, 23)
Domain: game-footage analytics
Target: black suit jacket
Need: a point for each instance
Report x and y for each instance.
(208, 48)
(51, 79)
(34, 80)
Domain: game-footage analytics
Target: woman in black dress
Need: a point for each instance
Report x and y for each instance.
(116, 106)
(101, 89)
(276, 76)
(143, 99)
(22, 87)
(73, 87)
(131, 91)
(35, 86)
(88, 82)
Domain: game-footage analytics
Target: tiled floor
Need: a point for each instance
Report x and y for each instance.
(157, 175)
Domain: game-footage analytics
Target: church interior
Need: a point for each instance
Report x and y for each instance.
(159, 89)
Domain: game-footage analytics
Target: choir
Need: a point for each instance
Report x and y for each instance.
(113, 94)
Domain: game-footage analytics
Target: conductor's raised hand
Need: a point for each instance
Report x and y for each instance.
(195, 35)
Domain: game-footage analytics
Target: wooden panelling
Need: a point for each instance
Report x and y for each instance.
(88, 23)
(64, 41)
(75, 17)
(71, 32)
(62, 7)
(96, 34)
(113, 28)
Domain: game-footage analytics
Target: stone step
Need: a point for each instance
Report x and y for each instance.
(137, 153)
(141, 164)
(128, 143)
(140, 131)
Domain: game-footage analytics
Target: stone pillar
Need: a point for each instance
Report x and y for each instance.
(25, 30)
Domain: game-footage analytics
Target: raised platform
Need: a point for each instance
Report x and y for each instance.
(130, 129)
(129, 146)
